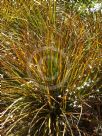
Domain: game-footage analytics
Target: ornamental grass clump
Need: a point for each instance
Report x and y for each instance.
(50, 68)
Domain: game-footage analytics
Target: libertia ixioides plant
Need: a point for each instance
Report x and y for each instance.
(50, 65)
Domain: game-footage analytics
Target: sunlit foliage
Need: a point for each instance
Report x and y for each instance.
(50, 69)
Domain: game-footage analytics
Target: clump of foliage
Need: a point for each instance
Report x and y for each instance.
(50, 62)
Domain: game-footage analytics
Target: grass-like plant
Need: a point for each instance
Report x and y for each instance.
(50, 62)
